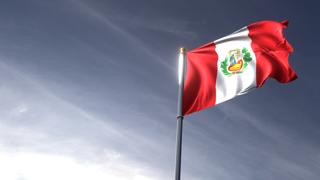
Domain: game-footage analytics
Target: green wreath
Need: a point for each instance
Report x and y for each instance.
(246, 58)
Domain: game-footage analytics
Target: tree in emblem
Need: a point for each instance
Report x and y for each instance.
(238, 61)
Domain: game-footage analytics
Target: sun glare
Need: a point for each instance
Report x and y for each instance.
(180, 67)
(34, 166)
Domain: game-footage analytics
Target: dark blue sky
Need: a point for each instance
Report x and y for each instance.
(88, 90)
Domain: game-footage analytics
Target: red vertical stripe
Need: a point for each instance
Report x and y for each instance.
(200, 80)
(272, 51)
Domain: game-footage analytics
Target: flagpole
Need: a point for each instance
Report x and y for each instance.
(182, 69)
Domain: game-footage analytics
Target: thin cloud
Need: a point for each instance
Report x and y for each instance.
(129, 37)
(172, 26)
(42, 129)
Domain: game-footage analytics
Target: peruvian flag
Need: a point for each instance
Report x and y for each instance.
(235, 64)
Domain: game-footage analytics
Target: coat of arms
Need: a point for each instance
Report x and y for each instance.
(235, 62)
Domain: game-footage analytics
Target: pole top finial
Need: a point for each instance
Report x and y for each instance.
(182, 50)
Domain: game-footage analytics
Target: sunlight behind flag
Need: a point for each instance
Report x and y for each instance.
(180, 65)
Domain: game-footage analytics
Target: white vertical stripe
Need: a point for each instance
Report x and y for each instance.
(229, 86)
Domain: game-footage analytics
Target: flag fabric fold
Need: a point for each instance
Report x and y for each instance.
(236, 64)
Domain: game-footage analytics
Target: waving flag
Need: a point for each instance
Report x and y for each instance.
(235, 64)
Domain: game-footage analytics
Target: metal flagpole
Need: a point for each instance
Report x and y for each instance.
(182, 69)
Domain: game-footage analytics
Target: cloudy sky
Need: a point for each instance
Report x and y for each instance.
(88, 90)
